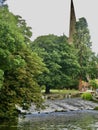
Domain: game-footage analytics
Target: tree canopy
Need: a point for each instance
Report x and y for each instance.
(19, 66)
(86, 58)
(60, 59)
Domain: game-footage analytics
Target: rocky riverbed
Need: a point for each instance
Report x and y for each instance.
(64, 105)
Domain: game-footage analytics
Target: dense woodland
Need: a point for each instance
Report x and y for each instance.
(25, 65)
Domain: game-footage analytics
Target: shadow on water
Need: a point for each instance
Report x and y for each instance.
(80, 120)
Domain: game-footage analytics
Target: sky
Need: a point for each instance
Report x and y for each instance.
(52, 16)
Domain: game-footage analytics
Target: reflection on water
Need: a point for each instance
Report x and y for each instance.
(85, 120)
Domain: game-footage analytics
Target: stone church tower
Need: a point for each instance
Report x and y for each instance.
(72, 22)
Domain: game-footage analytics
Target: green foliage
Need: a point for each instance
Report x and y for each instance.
(1, 78)
(60, 59)
(86, 58)
(94, 83)
(19, 66)
(25, 30)
(96, 108)
(86, 96)
(93, 67)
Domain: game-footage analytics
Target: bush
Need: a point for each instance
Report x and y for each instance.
(96, 108)
(86, 96)
(94, 83)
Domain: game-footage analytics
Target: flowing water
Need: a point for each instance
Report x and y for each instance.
(67, 114)
(73, 120)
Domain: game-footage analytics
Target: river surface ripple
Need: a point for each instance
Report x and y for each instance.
(66, 114)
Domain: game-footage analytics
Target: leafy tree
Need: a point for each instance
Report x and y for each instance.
(19, 67)
(60, 60)
(25, 30)
(83, 45)
(93, 67)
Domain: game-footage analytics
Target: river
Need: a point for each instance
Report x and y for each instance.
(68, 120)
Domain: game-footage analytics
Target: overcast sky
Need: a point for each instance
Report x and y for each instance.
(52, 16)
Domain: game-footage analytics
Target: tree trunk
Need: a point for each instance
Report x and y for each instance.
(47, 91)
(80, 84)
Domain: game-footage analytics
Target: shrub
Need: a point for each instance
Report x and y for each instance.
(96, 108)
(87, 96)
(94, 83)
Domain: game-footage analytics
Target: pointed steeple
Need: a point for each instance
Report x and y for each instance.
(72, 22)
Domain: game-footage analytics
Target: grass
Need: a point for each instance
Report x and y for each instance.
(60, 93)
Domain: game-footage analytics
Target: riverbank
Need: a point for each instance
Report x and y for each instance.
(64, 105)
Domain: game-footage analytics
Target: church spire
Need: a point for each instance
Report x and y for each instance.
(72, 22)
